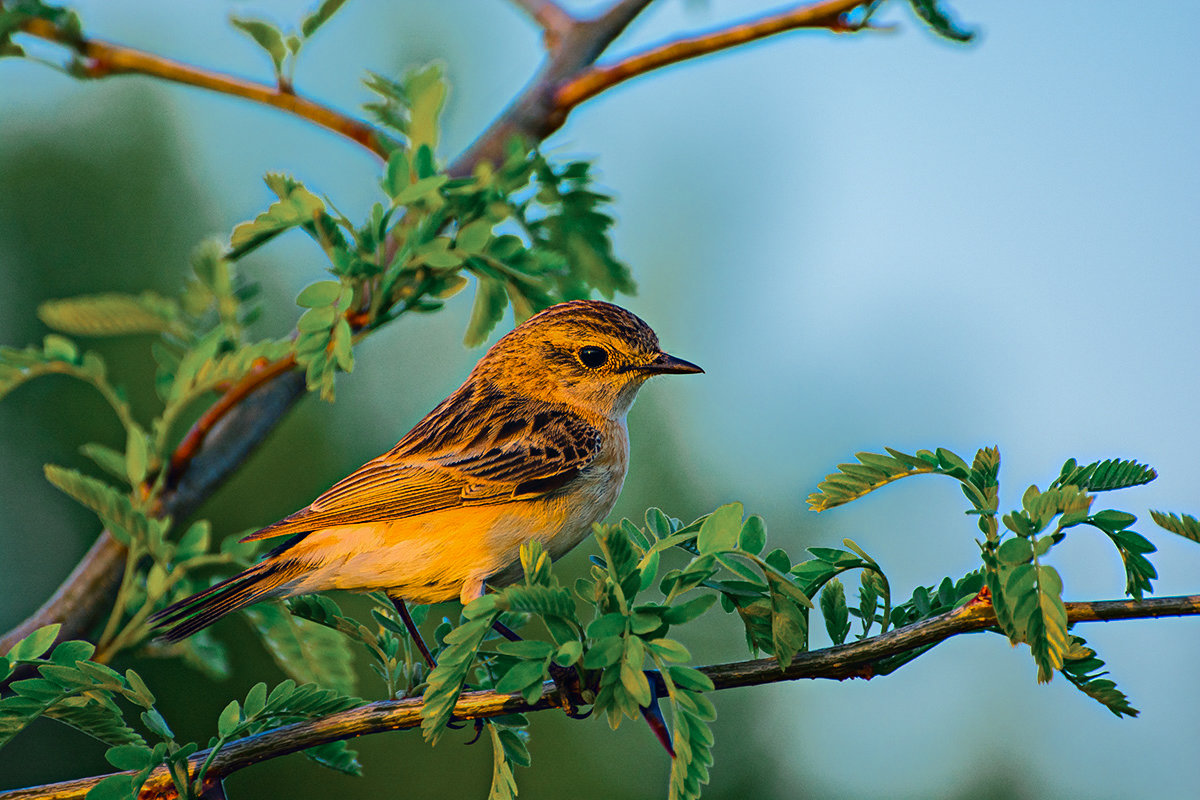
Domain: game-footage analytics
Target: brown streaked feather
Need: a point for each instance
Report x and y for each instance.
(478, 446)
(204, 608)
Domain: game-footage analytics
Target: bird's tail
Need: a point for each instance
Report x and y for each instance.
(265, 579)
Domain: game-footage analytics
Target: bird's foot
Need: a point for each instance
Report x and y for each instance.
(570, 693)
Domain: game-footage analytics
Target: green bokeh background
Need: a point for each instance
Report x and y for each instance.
(866, 241)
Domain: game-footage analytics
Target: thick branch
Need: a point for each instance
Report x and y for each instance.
(854, 660)
(828, 15)
(101, 59)
(533, 115)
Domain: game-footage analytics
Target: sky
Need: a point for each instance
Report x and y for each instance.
(874, 240)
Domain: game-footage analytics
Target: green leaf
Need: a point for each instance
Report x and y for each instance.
(1111, 520)
(111, 461)
(420, 189)
(445, 681)
(229, 719)
(35, 644)
(111, 314)
(267, 36)
(1185, 525)
(474, 237)
(604, 652)
(686, 612)
(931, 12)
(397, 176)
(835, 611)
(110, 505)
(1104, 476)
(137, 455)
(319, 294)
(521, 675)
(115, 787)
(139, 692)
(490, 302)
(526, 649)
(336, 756)
(874, 470)
(753, 536)
(256, 699)
(721, 529)
(789, 630)
(426, 92)
(155, 723)
(305, 651)
(130, 756)
(316, 19)
(1082, 668)
(504, 783)
(296, 206)
(669, 649)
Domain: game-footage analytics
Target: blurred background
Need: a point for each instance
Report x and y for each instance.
(865, 240)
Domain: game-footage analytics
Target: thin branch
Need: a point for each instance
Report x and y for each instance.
(554, 20)
(194, 440)
(855, 660)
(101, 59)
(828, 15)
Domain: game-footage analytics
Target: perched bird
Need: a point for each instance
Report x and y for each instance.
(532, 446)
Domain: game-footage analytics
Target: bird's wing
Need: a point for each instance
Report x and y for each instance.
(515, 457)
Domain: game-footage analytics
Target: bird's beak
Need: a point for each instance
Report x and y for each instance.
(664, 364)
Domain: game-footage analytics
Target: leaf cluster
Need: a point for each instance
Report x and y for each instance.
(610, 634)
(1025, 590)
(283, 48)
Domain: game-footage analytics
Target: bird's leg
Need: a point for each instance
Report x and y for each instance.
(415, 633)
(412, 630)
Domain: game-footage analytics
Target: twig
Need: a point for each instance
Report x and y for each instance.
(553, 18)
(854, 660)
(533, 115)
(588, 83)
(102, 59)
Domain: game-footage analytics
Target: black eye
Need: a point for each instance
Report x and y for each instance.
(592, 356)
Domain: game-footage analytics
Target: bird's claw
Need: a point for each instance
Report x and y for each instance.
(570, 698)
(478, 731)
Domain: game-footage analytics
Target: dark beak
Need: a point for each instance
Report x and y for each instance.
(664, 364)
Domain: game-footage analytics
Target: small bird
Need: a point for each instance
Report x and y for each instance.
(532, 446)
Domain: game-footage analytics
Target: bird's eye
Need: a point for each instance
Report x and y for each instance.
(592, 356)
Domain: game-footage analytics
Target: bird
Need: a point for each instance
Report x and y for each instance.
(532, 447)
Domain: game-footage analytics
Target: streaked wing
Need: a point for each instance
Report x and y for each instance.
(476, 447)
(376, 491)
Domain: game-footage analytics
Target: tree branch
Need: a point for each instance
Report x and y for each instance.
(101, 59)
(854, 660)
(588, 83)
(554, 20)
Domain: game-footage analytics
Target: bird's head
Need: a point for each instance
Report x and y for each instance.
(584, 353)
